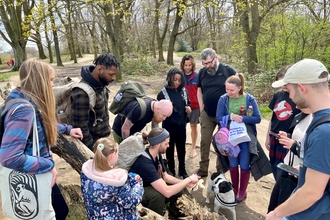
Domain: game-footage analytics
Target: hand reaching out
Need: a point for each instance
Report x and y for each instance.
(76, 133)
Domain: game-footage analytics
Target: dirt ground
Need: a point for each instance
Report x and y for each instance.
(254, 207)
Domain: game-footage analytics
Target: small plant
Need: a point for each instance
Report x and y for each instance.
(137, 66)
(183, 46)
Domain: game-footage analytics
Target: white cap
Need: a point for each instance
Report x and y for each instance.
(306, 71)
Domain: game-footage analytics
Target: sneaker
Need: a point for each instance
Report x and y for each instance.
(201, 173)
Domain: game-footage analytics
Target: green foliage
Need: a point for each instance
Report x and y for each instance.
(265, 111)
(259, 85)
(288, 37)
(142, 66)
(183, 46)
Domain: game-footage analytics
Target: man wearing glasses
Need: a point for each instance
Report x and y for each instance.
(210, 86)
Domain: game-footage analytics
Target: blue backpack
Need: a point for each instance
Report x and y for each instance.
(221, 140)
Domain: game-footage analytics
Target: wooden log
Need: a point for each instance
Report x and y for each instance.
(73, 151)
(73, 197)
(148, 214)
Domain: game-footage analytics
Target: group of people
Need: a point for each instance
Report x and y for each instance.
(206, 97)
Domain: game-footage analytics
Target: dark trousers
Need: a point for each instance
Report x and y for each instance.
(178, 140)
(60, 207)
(282, 190)
(154, 200)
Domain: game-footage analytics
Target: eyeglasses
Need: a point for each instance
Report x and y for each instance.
(208, 63)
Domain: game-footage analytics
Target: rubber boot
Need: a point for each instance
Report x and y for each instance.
(244, 181)
(234, 178)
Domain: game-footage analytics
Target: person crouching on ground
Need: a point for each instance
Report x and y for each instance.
(159, 187)
(109, 192)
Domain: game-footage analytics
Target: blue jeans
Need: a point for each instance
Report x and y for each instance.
(243, 158)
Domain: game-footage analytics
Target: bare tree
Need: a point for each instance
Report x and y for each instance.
(180, 8)
(13, 16)
(250, 18)
(54, 30)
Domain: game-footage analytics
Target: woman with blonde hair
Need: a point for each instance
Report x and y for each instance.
(17, 141)
(109, 192)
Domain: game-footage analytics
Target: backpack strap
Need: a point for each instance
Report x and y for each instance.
(91, 96)
(10, 102)
(145, 154)
(224, 69)
(143, 107)
(90, 92)
(224, 121)
(185, 96)
(4, 109)
(164, 91)
(317, 123)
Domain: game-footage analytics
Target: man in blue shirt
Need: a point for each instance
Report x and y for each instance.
(307, 83)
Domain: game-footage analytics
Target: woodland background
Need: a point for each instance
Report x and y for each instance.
(257, 37)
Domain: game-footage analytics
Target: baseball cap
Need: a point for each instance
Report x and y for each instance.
(306, 71)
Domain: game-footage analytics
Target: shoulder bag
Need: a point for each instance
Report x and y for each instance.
(27, 196)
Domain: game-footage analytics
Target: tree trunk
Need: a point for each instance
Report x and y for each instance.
(210, 18)
(40, 46)
(174, 34)
(114, 27)
(56, 43)
(49, 43)
(13, 16)
(19, 53)
(160, 37)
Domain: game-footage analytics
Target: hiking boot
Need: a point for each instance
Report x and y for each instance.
(201, 173)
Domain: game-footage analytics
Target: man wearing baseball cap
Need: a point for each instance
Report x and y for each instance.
(307, 83)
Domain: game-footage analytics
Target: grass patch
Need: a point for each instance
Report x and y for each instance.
(6, 75)
(64, 58)
(193, 53)
(265, 111)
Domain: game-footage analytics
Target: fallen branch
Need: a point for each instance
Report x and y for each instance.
(73, 151)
